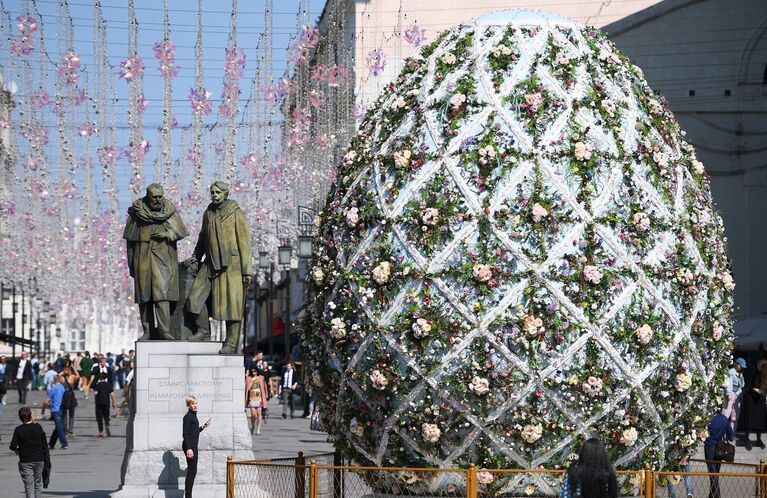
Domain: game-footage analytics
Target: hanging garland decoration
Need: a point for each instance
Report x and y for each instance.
(414, 35)
(106, 152)
(199, 98)
(234, 68)
(68, 97)
(133, 70)
(23, 44)
(376, 61)
(85, 131)
(165, 53)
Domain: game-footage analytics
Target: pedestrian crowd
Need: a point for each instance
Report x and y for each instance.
(97, 376)
(263, 382)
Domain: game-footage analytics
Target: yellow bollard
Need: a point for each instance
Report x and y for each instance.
(314, 480)
(649, 482)
(229, 477)
(471, 482)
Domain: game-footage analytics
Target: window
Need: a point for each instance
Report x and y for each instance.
(727, 93)
(764, 78)
(692, 93)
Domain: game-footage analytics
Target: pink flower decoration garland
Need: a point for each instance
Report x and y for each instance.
(165, 53)
(415, 36)
(200, 101)
(376, 61)
(40, 99)
(131, 68)
(23, 44)
(234, 68)
(298, 52)
(277, 91)
(108, 155)
(69, 64)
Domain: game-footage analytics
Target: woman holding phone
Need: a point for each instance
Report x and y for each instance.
(191, 433)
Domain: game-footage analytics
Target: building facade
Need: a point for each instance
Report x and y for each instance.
(708, 58)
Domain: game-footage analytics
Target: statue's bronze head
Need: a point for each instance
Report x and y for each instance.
(219, 192)
(154, 195)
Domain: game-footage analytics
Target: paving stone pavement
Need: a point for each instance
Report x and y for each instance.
(90, 467)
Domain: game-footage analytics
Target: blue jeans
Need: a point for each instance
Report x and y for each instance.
(689, 487)
(58, 433)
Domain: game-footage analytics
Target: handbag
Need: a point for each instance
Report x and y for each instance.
(725, 450)
(315, 424)
(46, 463)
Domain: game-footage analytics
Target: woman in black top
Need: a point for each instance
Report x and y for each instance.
(191, 433)
(592, 475)
(30, 443)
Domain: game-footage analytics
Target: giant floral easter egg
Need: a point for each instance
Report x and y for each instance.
(520, 251)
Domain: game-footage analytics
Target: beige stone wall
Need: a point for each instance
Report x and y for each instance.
(708, 58)
(374, 24)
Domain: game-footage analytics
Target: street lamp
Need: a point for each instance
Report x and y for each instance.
(284, 253)
(263, 260)
(305, 246)
(265, 263)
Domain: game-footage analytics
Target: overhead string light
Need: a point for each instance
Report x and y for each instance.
(85, 131)
(234, 68)
(132, 69)
(199, 98)
(103, 98)
(68, 96)
(268, 78)
(165, 53)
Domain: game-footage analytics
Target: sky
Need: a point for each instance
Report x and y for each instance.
(183, 32)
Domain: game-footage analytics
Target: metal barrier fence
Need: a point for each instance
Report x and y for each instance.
(713, 478)
(297, 479)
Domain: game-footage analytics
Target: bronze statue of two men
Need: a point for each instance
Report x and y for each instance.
(223, 259)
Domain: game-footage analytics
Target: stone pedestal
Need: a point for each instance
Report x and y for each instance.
(166, 372)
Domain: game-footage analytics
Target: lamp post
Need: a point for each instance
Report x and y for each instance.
(305, 250)
(265, 264)
(14, 311)
(284, 254)
(46, 326)
(23, 316)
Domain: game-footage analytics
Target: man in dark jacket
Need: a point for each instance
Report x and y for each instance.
(288, 384)
(30, 444)
(191, 433)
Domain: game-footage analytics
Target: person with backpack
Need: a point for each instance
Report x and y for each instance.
(104, 392)
(69, 403)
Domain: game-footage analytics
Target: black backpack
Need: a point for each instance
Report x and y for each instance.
(69, 401)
